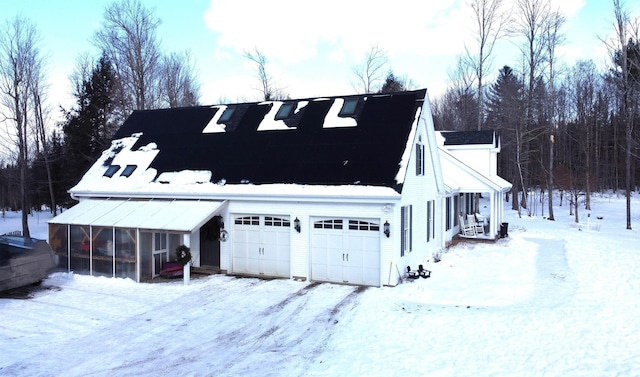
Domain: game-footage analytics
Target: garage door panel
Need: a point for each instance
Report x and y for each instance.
(345, 250)
(261, 245)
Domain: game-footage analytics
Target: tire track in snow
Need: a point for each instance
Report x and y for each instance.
(296, 338)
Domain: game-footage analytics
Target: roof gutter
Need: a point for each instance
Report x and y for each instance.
(283, 197)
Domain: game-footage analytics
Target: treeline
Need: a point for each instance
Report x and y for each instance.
(129, 72)
(565, 128)
(568, 128)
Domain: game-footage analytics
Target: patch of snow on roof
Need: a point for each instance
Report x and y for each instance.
(185, 177)
(332, 120)
(181, 187)
(406, 156)
(121, 154)
(269, 123)
(214, 126)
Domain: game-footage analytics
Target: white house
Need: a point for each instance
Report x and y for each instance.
(469, 161)
(345, 189)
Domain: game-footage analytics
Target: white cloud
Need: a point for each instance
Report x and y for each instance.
(290, 32)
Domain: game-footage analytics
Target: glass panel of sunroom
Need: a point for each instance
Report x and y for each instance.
(59, 242)
(102, 251)
(125, 253)
(79, 249)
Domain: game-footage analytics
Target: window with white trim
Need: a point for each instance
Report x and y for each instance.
(405, 225)
(419, 159)
(430, 220)
(448, 225)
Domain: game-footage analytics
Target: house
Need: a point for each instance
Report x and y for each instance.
(470, 160)
(345, 189)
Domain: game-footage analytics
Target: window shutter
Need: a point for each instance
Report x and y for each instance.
(410, 228)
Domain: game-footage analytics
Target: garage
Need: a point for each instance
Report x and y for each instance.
(346, 250)
(261, 245)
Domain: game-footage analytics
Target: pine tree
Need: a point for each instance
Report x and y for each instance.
(89, 126)
(505, 112)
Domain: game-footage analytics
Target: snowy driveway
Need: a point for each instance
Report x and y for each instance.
(217, 324)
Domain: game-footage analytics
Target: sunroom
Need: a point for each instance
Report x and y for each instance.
(125, 238)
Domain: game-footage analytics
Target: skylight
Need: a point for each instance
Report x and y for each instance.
(128, 170)
(285, 111)
(349, 107)
(111, 171)
(226, 115)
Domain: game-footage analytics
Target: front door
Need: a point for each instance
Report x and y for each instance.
(210, 242)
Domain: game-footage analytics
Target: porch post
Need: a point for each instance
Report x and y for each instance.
(493, 216)
(186, 270)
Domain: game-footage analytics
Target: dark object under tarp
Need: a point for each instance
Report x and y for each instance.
(23, 261)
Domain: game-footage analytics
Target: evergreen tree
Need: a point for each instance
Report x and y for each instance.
(392, 84)
(89, 126)
(505, 114)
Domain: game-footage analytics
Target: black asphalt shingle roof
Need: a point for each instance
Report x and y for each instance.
(468, 137)
(367, 154)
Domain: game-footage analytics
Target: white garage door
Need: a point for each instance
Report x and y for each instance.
(346, 251)
(261, 245)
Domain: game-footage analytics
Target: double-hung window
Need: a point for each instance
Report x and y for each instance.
(406, 223)
(419, 159)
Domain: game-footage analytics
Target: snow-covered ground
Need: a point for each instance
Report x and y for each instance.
(552, 299)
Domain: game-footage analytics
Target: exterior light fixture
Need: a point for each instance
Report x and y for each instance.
(296, 225)
(387, 229)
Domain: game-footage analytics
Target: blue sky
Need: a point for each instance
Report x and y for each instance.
(312, 46)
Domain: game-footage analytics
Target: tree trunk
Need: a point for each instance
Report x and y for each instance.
(550, 182)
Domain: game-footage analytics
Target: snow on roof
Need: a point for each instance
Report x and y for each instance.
(213, 126)
(460, 176)
(366, 147)
(406, 155)
(191, 183)
(332, 120)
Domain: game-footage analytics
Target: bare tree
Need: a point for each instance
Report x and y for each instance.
(19, 54)
(619, 52)
(180, 86)
(128, 38)
(40, 117)
(371, 73)
(529, 23)
(554, 37)
(269, 90)
(490, 22)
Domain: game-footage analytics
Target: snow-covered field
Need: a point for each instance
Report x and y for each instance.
(552, 299)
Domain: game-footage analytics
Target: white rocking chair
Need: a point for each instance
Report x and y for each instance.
(479, 228)
(466, 229)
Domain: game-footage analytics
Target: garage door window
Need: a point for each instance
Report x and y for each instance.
(363, 225)
(276, 221)
(248, 220)
(328, 224)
